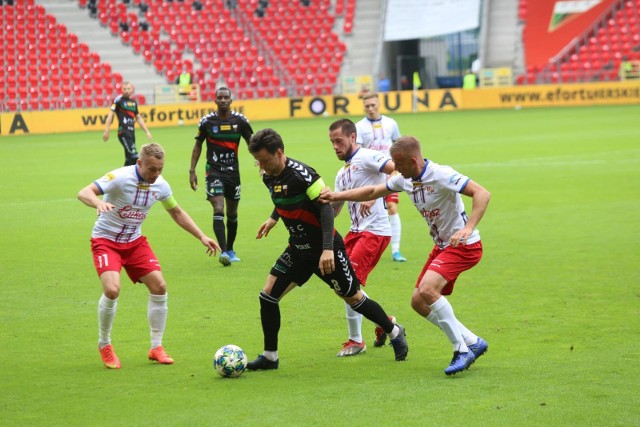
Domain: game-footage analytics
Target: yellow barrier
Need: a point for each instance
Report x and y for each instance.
(43, 122)
(553, 95)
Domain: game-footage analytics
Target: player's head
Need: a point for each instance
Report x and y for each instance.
(267, 148)
(127, 89)
(371, 103)
(151, 162)
(407, 156)
(342, 134)
(223, 98)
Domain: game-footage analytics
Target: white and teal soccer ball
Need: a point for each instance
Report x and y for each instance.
(230, 361)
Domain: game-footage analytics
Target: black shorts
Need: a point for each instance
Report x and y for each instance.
(229, 187)
(297, 266)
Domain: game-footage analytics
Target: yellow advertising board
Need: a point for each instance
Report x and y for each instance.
(562, 95)
(43, 122)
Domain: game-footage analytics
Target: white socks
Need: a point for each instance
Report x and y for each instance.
(354, 322)
(468, 336)
(270, 355)
(447, 321)
(396, 231)
(106, 313)
(157, 316)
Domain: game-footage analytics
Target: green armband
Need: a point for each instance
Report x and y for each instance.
(314, 191)
(170, 203)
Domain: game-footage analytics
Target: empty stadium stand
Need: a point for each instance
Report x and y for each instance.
(291, 49)
(596, 54)
(45, 67)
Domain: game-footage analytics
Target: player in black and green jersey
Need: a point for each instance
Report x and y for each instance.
(126, 108)
(315, 247)
(222, 130)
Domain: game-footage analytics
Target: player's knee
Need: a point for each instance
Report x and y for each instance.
(428, 293)
(112, 292)
(159, 288)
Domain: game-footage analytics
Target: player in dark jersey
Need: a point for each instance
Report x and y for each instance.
(315, 247)
(126, 108)
(222, 130)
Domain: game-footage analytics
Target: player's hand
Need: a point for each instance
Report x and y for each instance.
(105, 136)
(365, 208)
(327, 263)
(103, 207)
(326, 195)
(459, 237)
(193, 180)
(212, 245)
(264, 229)
(149, 137)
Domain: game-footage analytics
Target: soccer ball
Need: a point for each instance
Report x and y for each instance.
(230, 361)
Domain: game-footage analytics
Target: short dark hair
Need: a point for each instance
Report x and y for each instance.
(268, 139)
(224, 88)
(346, 126)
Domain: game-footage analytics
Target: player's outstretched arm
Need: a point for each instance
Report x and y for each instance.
(361, 194)
(183, 219)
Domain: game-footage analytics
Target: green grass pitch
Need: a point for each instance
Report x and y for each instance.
(556, 296)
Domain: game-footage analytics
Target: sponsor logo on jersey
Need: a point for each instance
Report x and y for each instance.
(143, 185)
(109, 177)
(430, 214)
(455, 178)
(225, 127)
(129, 212)
(281, 189)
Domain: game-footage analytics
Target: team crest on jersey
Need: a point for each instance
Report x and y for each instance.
(235, 128)
(430, 189)
(215, 129)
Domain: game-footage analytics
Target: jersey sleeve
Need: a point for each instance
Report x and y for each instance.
(201, 134)
(398, 183)
(451, 179)
(247, 131)
(359, 140)
(375, 161)
(165, 191)
(107, 181)
(396, 131)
